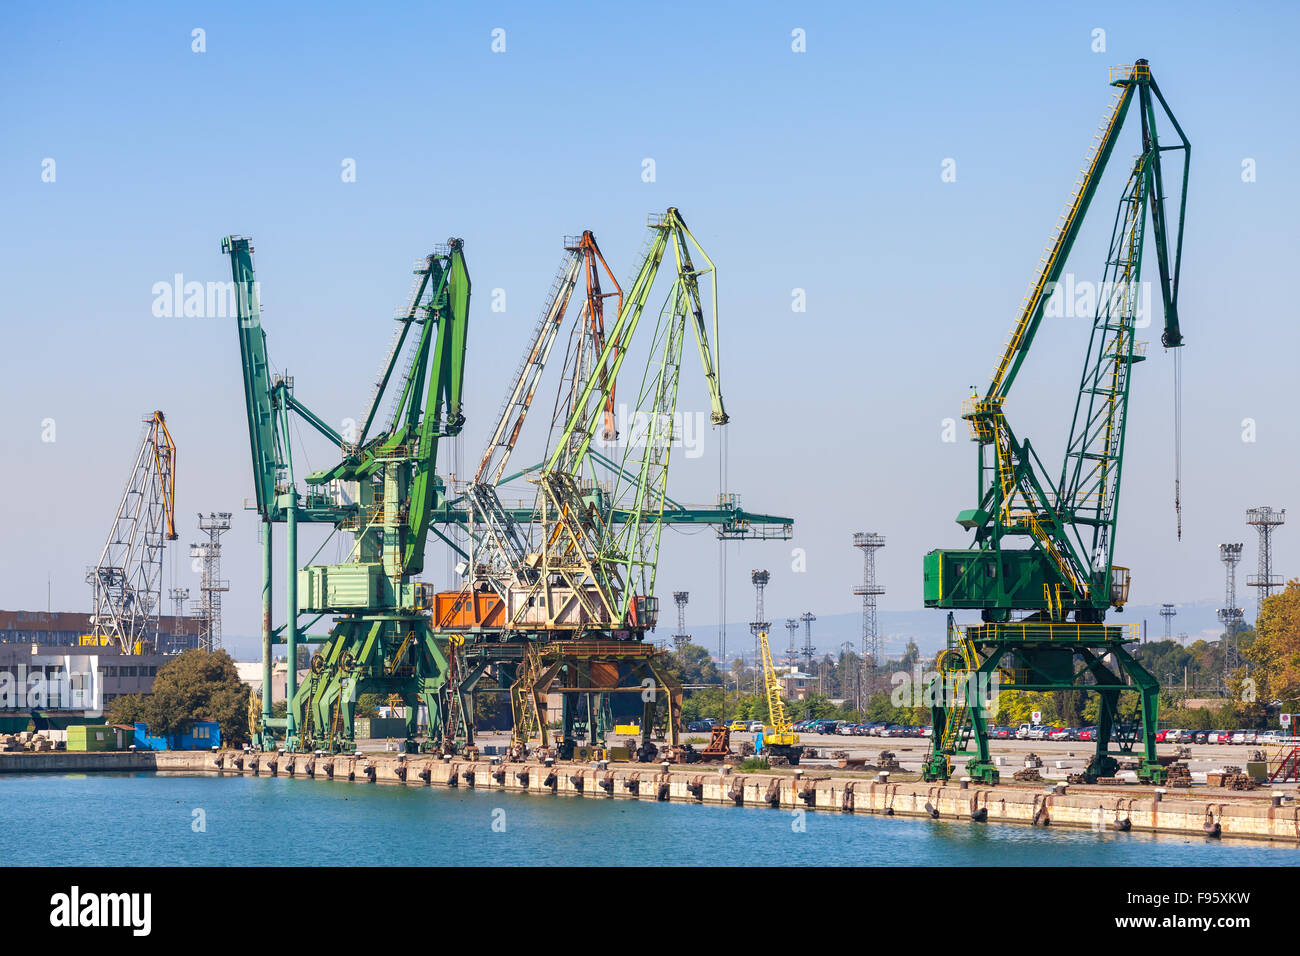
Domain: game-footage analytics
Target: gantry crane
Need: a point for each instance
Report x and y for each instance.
(126, 582)
(1041, 568)
(384, 491)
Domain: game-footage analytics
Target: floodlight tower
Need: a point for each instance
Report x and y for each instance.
(760, 622)
(808, 617)
(179, 596)
(681, 638)
(792, 652)
(211, 584)
(869, 590)
(1168, 611)
(1230, 614)
(1265, 519)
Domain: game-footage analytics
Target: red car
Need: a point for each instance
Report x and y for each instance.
(1160, 736)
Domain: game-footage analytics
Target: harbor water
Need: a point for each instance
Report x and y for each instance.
(150, 819)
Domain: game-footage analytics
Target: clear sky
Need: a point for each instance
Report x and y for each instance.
(818, 170)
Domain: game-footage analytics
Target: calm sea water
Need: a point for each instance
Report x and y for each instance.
(149, 819)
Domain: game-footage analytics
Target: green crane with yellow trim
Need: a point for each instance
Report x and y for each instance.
(1041, 568)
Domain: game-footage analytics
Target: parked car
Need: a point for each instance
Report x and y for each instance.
(927, 731)
(1087, 733)
(699, 726)
(1218, 737)
(738, 726)
(845, 729)
(1001, 733)
(1061, 733)
(755, 726)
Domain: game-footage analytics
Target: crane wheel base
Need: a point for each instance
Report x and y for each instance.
(791, 754)
(1152, 773)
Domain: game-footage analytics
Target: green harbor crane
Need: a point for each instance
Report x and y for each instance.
(384, 490)
(1041, 568)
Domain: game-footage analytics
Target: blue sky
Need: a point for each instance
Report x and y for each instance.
(817, 170)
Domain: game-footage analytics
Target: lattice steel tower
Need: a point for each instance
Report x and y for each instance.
(869, 590)
(681, 638)
(1230, 614)
(179, 640)
(760, 621)
(808, 617)
(792, 651)
(211, 584)
(1265, 519)
(1168, 611)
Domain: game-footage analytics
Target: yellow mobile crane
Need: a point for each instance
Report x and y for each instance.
(778, 740)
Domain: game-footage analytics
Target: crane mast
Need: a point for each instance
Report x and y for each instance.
(1041, 569)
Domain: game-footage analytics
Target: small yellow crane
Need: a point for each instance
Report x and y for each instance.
(778, 739)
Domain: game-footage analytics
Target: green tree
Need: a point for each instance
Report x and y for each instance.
(128, 709)
(198, 685)
(1275, 653)
(692, 664)
(709, 702)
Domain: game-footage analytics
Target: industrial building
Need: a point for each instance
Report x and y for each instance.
(66, 628)
(70, 679)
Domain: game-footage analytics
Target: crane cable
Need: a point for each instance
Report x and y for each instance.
(1178, 440)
